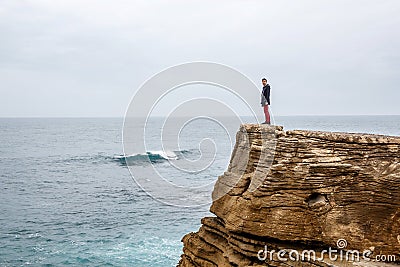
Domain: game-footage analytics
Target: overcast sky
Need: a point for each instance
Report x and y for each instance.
(87, 58)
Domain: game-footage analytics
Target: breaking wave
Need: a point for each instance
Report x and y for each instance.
(153, 156)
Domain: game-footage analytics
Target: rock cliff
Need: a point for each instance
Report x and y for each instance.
(288, 194)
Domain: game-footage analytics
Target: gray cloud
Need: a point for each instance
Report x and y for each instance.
(87, 58)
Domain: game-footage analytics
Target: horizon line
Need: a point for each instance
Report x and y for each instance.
(118, 117)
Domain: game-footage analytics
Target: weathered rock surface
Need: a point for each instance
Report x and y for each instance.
(302, 190)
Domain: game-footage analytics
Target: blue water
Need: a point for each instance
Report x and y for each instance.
(67, 197)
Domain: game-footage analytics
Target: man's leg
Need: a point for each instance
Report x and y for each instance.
(266, 113)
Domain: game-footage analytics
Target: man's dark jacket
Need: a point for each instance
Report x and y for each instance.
(265, 95)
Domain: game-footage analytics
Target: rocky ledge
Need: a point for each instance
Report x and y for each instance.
(288, 194)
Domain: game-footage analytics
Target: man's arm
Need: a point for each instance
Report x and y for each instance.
(267, 93)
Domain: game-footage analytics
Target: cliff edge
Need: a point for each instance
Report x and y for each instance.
(289, 197)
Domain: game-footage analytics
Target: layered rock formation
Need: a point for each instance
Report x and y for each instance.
(297, 190)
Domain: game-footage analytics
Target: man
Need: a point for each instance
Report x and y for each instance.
(265, 101)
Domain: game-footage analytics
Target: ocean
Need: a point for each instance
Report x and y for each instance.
(67, 197)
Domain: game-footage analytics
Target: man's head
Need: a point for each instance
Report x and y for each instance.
(264, 81)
